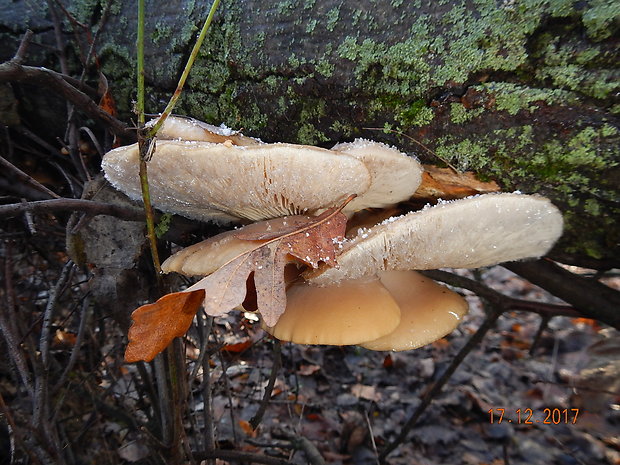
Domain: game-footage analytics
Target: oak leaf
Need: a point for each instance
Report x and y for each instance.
(311, 240)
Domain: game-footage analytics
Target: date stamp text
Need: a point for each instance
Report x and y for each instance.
(528, 416)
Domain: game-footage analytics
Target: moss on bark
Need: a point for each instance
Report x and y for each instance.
(523, 92)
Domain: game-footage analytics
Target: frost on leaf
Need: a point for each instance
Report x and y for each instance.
(308, 239)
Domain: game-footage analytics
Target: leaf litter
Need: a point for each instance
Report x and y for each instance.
(324, 404)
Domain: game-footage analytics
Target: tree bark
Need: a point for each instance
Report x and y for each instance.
(525, 92)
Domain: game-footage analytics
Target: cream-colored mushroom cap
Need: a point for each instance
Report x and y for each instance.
(256, 182)
(350, 313)
(208, 256)
(467, 233)
(177, 127)
(394, 176)
(428, 311)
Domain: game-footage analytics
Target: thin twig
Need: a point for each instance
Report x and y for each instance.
(275, 368)
(163, 392)
(303, 444)
(14, 72)
(227, 389)
(19, 174)
(15, 353)
(190, 62)
(63, 204)
(84, 319)
(372, 436)
(432, 152)
(207, 390)
(15, 432)
(177, 375)
(436, 387)
(41, 401)
(23, 46)
(544, 323)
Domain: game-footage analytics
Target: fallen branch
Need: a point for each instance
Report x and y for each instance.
(501, 300)
(64, 204)
(12, 71)
(591, 298)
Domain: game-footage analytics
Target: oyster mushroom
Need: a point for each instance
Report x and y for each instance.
(225, 182)
(467, 233)
(351, 313)
(397, 310)
(184, 128)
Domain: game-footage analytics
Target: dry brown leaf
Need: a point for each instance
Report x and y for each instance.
(156, 325)
(447, 184)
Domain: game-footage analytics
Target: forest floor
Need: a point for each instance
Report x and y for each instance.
(350, 401)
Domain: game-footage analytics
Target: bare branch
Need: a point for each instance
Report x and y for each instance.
(499, 299)
(23, 46)
(64, 204)
(14, 72)
(26, 178)
(592, 298)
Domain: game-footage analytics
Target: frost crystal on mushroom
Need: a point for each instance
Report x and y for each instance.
(224, 176)
(467, 233)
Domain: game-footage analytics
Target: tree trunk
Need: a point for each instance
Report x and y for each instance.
(522, 92)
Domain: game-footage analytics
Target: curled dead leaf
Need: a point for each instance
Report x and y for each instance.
(156, 325)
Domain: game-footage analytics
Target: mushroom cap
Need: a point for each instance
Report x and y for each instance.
(198, 179)
(466, 233)
(394, 176)
(185, 128)
(208, 256)
(346, 314)
(428, 311)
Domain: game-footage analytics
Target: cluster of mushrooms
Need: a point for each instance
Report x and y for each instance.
(373, 298)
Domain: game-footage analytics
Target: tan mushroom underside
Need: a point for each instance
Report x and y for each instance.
(428, 311)
(255, 182)
(337, 315)
(467, 233)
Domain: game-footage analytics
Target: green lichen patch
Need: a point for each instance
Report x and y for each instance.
(513, 98)
(572, 172)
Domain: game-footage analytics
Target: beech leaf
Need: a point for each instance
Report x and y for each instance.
(156, 325)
